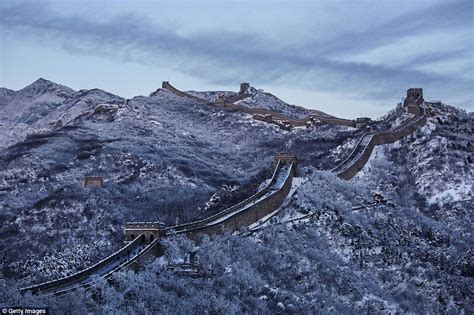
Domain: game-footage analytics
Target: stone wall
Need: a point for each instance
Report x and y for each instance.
(244, 87)
(383, 138)
(413, 109)
(286, 159)
(152, 249)
(92, 181)
(237, 98)
(278, 119)
(231, 209)
(240, 218)
(414, 97)
(246, 217)
(196, 230)
(415, 93)
(83, 274)
(166, 85)
(336, 121)
(265, 118)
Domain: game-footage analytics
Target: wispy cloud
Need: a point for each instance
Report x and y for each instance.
(226, 57)
(449, 16)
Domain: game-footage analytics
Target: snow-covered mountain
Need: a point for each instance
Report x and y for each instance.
(173, 159)
(43, 106)
(432, 169)
(161, 157)
(261, 99)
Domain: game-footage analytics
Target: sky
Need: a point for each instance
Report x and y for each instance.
(347, 58)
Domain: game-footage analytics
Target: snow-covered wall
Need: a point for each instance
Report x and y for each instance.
(251, 214)
(402, 131)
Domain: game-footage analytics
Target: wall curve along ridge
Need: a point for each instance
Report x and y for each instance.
(233, 218)
(276, 118)
(348, 168)
(245, 213)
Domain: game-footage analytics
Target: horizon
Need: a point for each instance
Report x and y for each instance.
(310, 59)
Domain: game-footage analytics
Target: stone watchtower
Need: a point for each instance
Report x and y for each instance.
(287, 159)
(92, 181)
(415, 93)
(414, 100)
(362, 122)
(244, 87)
(148, 231)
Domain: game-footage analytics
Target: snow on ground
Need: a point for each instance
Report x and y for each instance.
(259, 99)
(296, 182)
(463, 191)
(211, 96)
(162, 156)
(283, 174)
(377, 154)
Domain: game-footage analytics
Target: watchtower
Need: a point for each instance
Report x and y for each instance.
(149, 231)
(414, 100)
(93, 181)
(362, 121)
(287, 159)
(244, 87)
(415, 93)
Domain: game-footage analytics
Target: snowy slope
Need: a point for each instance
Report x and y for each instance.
(171, 159)
(439, 156)
(211, 96)
(43, 106)
(161, 158)
(260, 99)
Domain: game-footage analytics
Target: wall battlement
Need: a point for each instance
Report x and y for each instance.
(415, 93)
(266, 118)
(285, 159)
(166, 85)
(149, 230)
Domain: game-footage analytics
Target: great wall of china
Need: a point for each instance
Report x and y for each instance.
(143, 238)
(265, 115)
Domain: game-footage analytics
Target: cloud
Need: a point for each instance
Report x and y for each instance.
(449, 16)
(224, 57)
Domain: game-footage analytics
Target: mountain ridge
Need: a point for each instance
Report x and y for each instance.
(172, 159)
